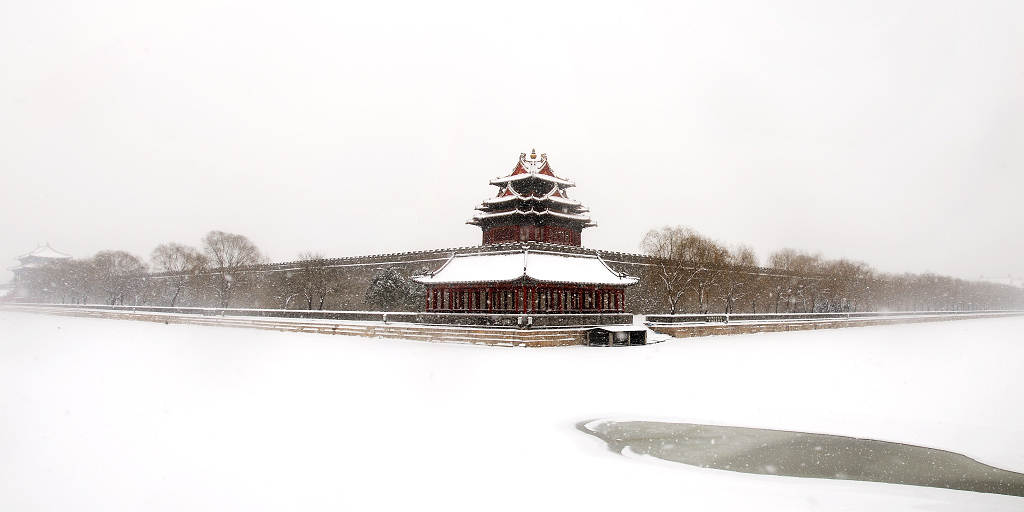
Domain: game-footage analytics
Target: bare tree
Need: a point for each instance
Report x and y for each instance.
(686, 260)
(73, 279)
(229, 257)
(842, 281)
(669, 270)
(181, 263)
(63, 280)
(120, 274)
(804, 283)
(709, 260)
(742, 263)
(314, 280)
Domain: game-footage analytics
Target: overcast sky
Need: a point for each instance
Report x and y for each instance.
(886, 132)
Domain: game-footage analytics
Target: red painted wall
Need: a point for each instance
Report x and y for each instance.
(510, 299)
(549, 234)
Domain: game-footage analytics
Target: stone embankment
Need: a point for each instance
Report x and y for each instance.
(507, 337)
(676, 326)
(688, 326)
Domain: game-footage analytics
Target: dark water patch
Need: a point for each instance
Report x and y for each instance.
(778, 452)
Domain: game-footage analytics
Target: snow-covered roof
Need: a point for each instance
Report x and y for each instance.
(542, 266)
(30, 263)
(553, 195)
(526, 176)
(44, 251)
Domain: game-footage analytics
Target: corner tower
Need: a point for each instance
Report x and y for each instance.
(532, 205)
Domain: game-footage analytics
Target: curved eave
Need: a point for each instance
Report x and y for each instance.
(506, 199)
(575, 217)
(530, 175)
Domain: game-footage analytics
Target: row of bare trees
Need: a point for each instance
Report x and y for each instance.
(687, 273)
(221, 263)
(692, 273)
(211, 272)
(688, 262)
(113, 277)
(225, 270)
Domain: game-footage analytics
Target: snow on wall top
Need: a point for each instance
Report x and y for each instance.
(542, 266)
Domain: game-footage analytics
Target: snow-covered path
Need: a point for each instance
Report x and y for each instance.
(111, 415)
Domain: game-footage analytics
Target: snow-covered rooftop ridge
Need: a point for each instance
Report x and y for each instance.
(44, 251)
(541, 266)
(532, 168)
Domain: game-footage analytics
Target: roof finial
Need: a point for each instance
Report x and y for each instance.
(533, 154)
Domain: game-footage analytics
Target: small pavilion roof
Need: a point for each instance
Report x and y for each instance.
(541, 266)
(44, 251)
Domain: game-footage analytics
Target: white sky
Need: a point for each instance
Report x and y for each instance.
(886, 132)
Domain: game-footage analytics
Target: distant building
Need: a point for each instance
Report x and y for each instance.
(537, 277)
(42, 255)
(1007, 280)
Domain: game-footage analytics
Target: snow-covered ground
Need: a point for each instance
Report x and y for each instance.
(111, 415)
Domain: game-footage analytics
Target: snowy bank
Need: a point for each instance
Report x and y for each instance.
(108, 415)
